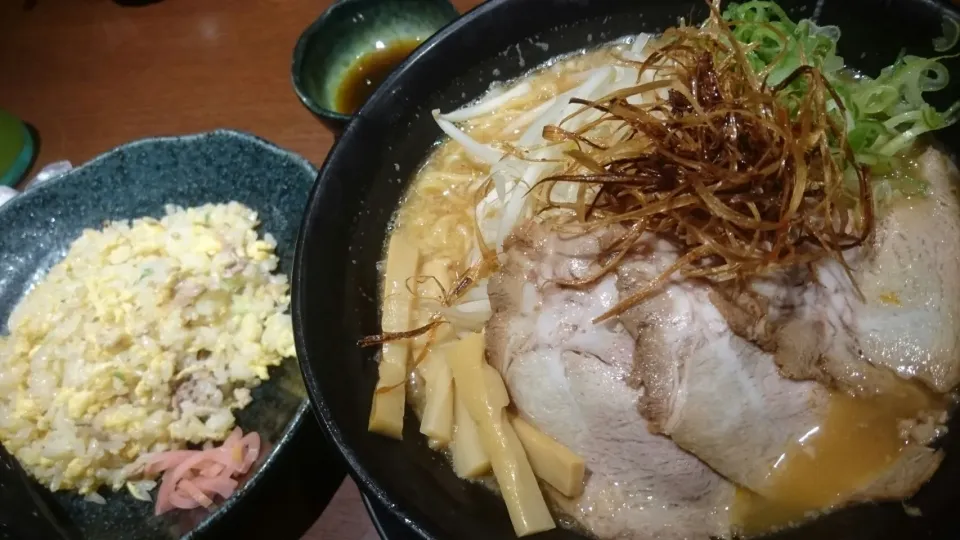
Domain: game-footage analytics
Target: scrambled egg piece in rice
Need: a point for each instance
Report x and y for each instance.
(147, 336)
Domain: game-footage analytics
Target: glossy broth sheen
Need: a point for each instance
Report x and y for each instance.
(858, 440)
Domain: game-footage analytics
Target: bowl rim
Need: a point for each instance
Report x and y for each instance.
(371, 489)
(34, 187)
(302, 412)
(357, 471)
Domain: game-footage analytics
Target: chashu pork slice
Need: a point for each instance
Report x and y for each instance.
(907, 322)
(722, 398)
(569, 377)
(716, 394)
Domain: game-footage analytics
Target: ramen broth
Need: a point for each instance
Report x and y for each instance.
(439, 208)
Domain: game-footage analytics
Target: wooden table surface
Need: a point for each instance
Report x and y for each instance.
(90, 75)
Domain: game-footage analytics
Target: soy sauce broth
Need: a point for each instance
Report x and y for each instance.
(366, 74)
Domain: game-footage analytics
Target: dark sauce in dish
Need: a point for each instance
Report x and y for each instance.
(366, 74)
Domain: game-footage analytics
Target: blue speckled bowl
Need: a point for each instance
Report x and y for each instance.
(139, 179)
(346, 31)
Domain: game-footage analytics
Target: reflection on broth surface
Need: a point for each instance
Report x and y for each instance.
(657, 289)
(858, 441)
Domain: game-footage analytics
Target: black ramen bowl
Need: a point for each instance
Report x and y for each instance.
(295, 478)
(336, 282)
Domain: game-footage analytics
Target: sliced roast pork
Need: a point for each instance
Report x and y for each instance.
(721, 396)
(718, 395)
(568, 377)
(908, 320)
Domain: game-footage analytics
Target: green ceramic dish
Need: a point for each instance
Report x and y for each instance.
(348, 30)
(16, 149)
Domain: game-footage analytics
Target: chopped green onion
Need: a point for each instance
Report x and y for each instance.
(876, 98)
(884, 116)
(950, 37)
(865, 135)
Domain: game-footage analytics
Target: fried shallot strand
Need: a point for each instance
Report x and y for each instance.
(721, 166)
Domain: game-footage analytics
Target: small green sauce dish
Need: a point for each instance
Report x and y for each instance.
(16, 149)
(346, 53)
